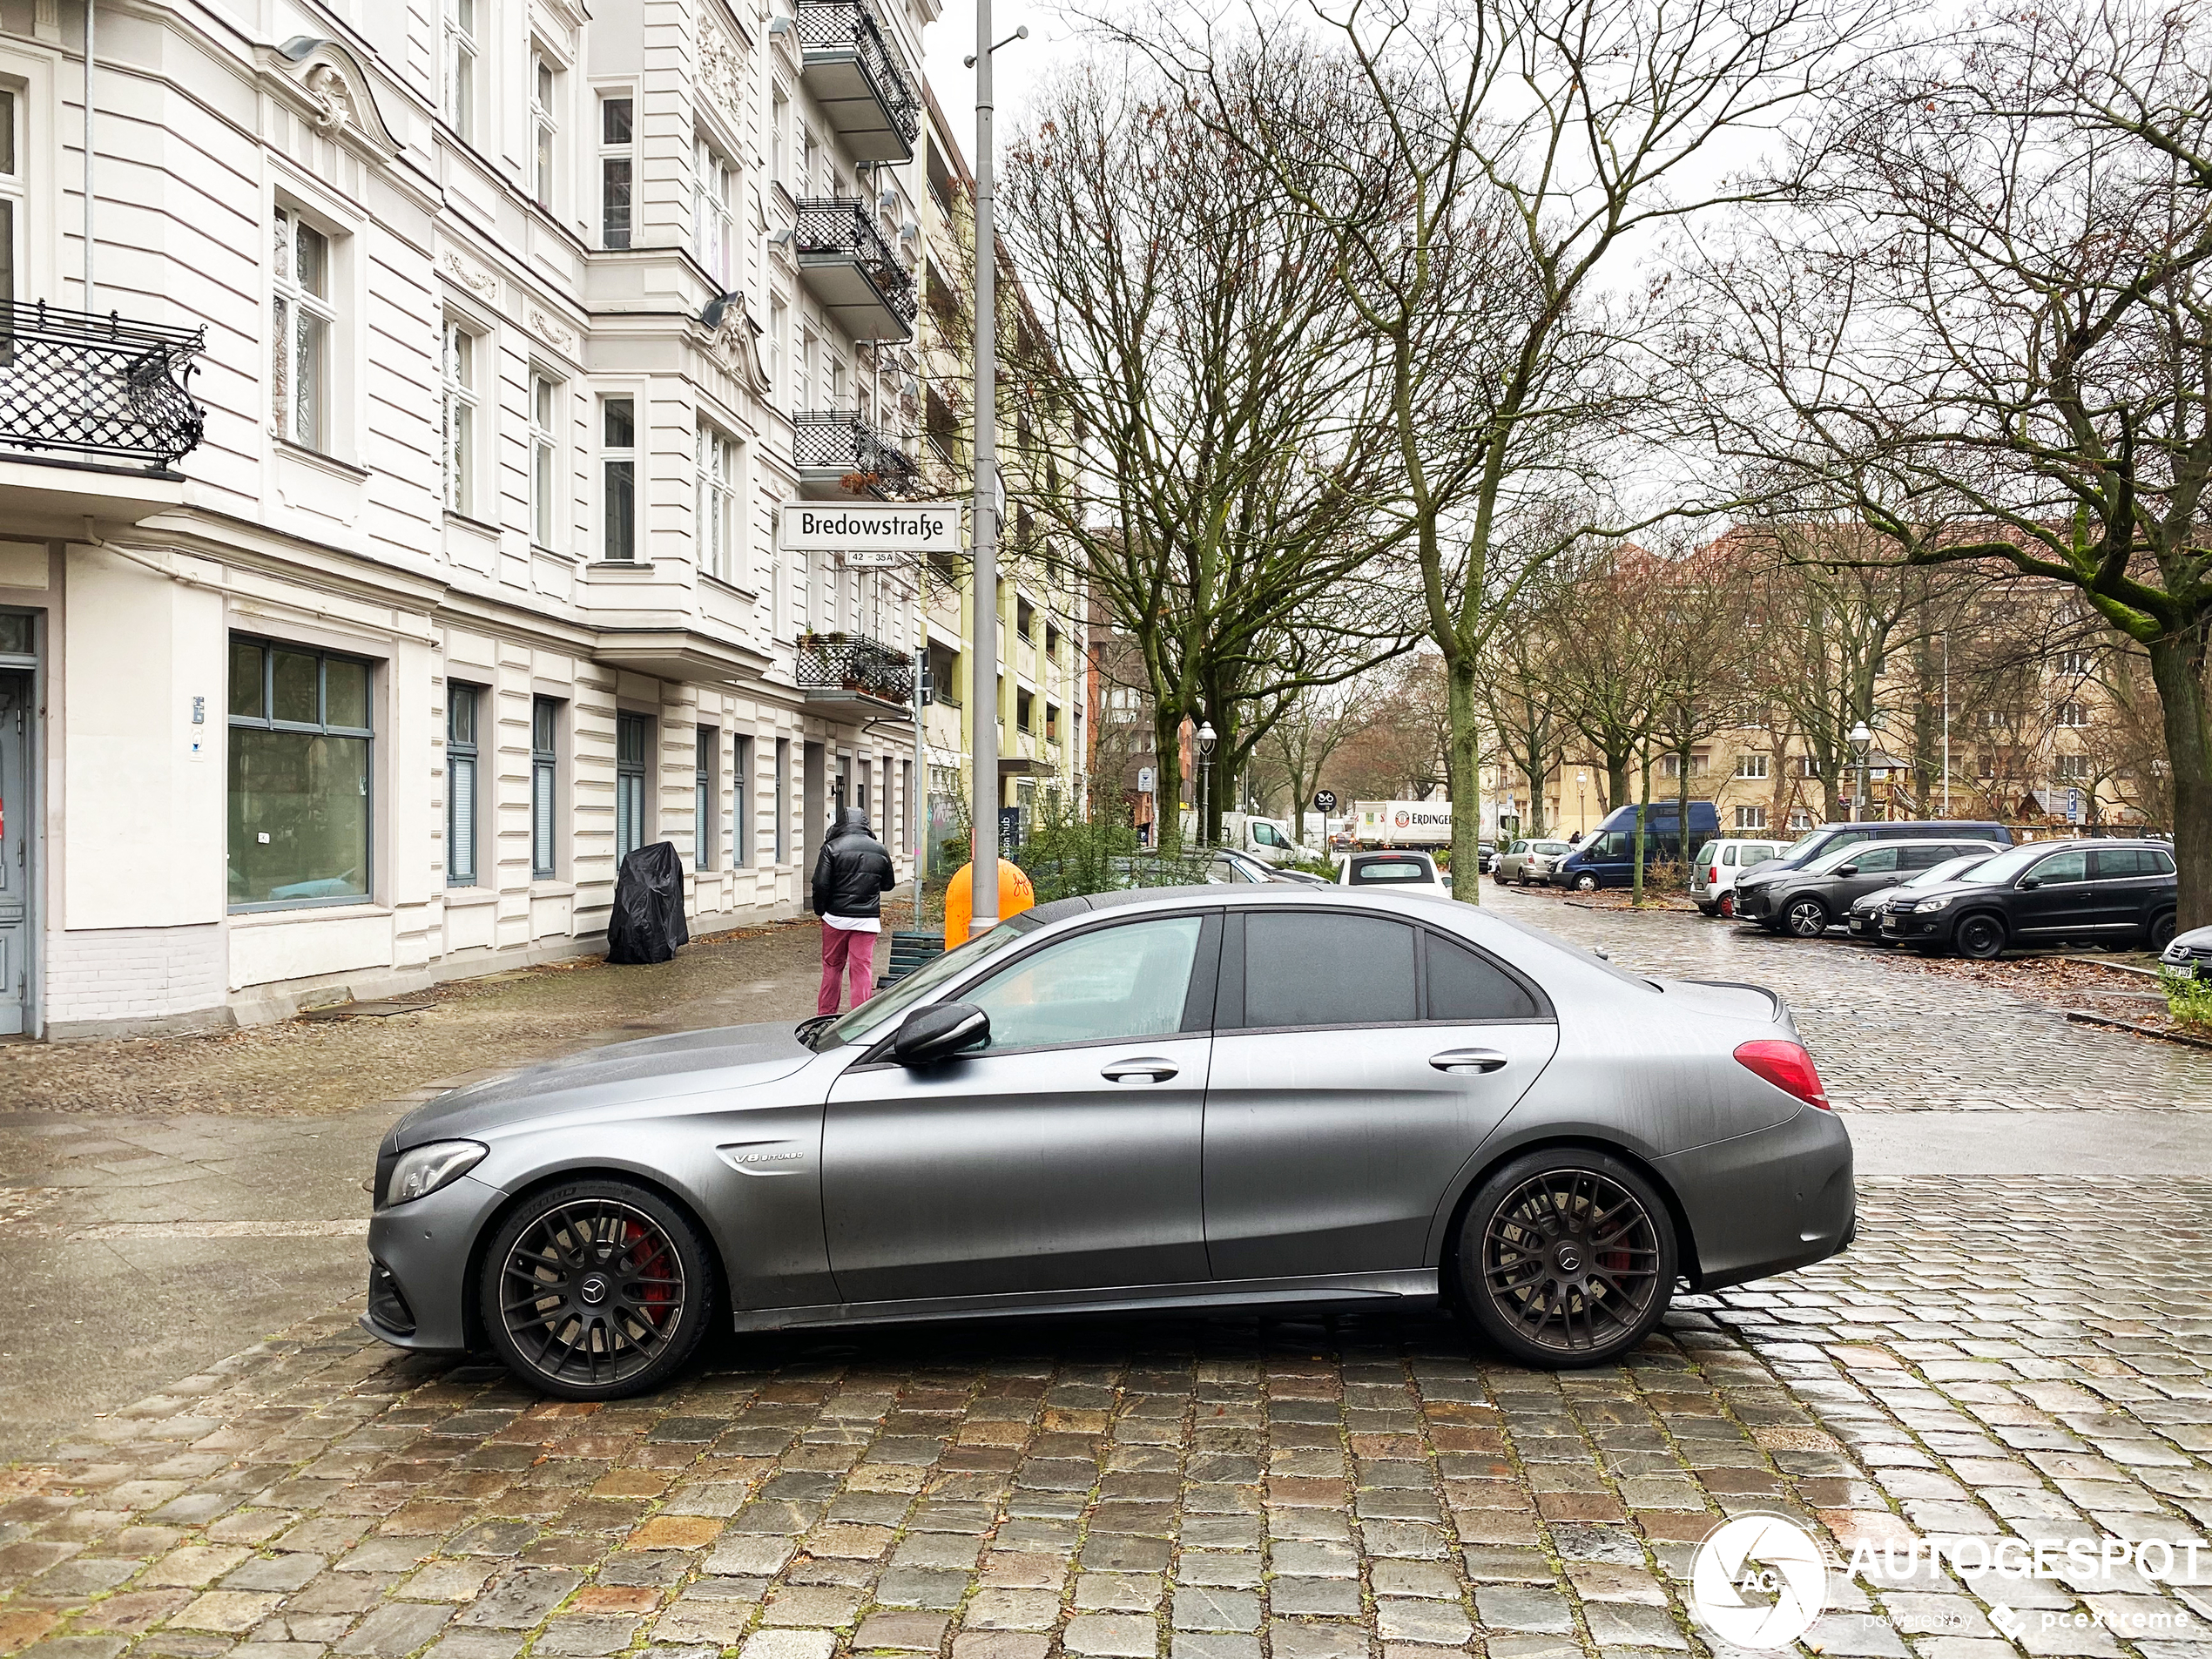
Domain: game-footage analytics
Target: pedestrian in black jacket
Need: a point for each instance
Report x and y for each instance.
(851, 877)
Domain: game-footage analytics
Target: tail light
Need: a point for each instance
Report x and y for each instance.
(1713, 874)
(1788, 1066)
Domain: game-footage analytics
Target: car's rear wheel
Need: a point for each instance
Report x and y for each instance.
(1705, 907)
(1728, 904)
(2162, 931)
(1981, 938)
(597, 1289)
(1586, 882)
(1565, 1257)
(1806, 918)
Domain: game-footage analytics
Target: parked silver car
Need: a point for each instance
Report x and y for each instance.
(1526, 861)
(1175, 1098)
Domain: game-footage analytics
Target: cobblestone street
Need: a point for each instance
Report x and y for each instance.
(2004, 1357)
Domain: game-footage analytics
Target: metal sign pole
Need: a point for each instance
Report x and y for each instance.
(982, 697)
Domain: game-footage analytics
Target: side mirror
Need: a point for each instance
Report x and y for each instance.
(931, 1035)
(2029, 883)
(1849, 869)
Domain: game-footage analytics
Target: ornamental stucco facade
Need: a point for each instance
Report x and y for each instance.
(505, 329)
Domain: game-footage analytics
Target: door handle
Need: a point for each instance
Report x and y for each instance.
(1147, 1069)
(1466, 1062)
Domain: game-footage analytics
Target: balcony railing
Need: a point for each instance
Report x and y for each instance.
(827, 439)
(856, 664)
(841, 230)
(841, 26)
(98, 389)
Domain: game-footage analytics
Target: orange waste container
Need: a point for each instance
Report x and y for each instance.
(1016, 895)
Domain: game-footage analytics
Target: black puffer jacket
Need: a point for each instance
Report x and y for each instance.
(854, 872)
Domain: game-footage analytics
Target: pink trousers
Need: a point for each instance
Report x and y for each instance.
(850, 953)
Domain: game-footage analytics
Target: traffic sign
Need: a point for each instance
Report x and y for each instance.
(1325, 800)
(1144, 780)
(2073, 806)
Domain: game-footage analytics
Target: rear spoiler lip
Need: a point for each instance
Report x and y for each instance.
(1781, 1009)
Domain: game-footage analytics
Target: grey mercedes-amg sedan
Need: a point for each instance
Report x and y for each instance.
(1168, 1099)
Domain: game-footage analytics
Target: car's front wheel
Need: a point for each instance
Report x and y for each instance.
(1565, 1257)
(2162, 931)
(1981, 938)
(597, 1289)
(1586, 882)
(1806, 918)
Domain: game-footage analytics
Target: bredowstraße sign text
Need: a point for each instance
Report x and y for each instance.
(889, 527)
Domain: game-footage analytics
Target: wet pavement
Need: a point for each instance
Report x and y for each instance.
(2014, 1360)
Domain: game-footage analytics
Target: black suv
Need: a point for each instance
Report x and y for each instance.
(2047, 892)
(1809, 901)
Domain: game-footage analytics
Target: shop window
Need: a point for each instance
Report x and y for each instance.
(300, 737)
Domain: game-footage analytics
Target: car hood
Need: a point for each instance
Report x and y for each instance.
(735, 1056)
(2195, 939)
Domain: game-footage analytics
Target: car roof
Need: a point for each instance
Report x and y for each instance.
(1381, 900)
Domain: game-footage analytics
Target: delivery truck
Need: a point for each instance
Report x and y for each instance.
(1402, 823)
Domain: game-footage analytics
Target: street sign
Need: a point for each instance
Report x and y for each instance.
(877, 532)
(1144, 780)
(2073, 806)
(1325, 800)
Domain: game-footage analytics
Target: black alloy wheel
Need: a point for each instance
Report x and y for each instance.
(1566, 1258)
(597, 1289)
(1981, 937)
(2162, 930)
(1806, 917)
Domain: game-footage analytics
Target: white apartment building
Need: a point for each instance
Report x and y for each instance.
(401, 552)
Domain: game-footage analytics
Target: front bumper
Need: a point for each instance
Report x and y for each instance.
(1903, 927)
(1767, 1201)
(1753, 904)
(424, 1249)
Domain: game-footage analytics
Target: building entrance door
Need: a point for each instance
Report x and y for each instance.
(18, 725)
(813, 783)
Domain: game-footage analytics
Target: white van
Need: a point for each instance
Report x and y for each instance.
(1712, 879)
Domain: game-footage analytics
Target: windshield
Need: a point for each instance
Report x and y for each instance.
(879, 1009)
(1949, 870)
(1804, 844)
(2003, 867)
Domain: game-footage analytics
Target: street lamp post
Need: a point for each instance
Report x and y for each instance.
(1861, 739)
(1206, 739)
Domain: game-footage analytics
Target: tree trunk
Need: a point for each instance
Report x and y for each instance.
(1167, 782)
(1681, 810)
(1643, 821)
(1463, 778)
(2177, 667)
(1616, 778)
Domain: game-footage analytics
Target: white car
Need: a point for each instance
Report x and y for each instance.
(1720, 864)
(1414, 871)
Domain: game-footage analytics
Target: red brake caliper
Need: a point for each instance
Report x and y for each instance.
(655, 1298)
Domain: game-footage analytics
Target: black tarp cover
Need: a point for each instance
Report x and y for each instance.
(648, 921)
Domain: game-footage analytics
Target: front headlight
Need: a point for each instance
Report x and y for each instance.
(1926, 904)
(423, 1169)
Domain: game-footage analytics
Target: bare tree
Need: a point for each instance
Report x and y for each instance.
(1991, 338)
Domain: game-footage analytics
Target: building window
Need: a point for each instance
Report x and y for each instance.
(298, 776)
(715, 457)
(1052, 722)
(713, 215)
(1750, 818)
(1809, 766)
(780, 139)
(741, 803)
(1800, 820)
(11, 192)
(545, 123)
(460, 785)
(2072, 714)
(1671, 765)
(545, 759)
(459, 90)
(1022, 702)
(705, 820)
(1025, 614)
(633, 738)
(545, 439)
(2073, 662)
(783, 800)
(1750, 766)
(302, 317)
(1051, 642)
(617, 169)
(618, 478)
(779, 345)
(457, 414)
(2074, 768)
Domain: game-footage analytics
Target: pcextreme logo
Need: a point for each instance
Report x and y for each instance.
(1759, 1581)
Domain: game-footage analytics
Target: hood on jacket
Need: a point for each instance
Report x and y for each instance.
(851, 820)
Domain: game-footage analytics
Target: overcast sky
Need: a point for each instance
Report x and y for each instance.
(953, 36)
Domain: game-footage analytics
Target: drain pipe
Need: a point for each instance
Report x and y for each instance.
(90, 13)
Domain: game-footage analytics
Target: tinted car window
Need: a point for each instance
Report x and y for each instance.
(1925, 856)
(1875, 860)
(1463, 985)
(1125, 982)
(1727, 855)
(2131, 861)
(1374, 872)
(1303, 968)
(2062, 867)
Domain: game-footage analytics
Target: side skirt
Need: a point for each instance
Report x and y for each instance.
(1417, 1285)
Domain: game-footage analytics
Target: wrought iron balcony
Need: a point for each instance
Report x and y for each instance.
(852, 270)
(837, 448)
(869, 99)
(97, 390)
(838, 666)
